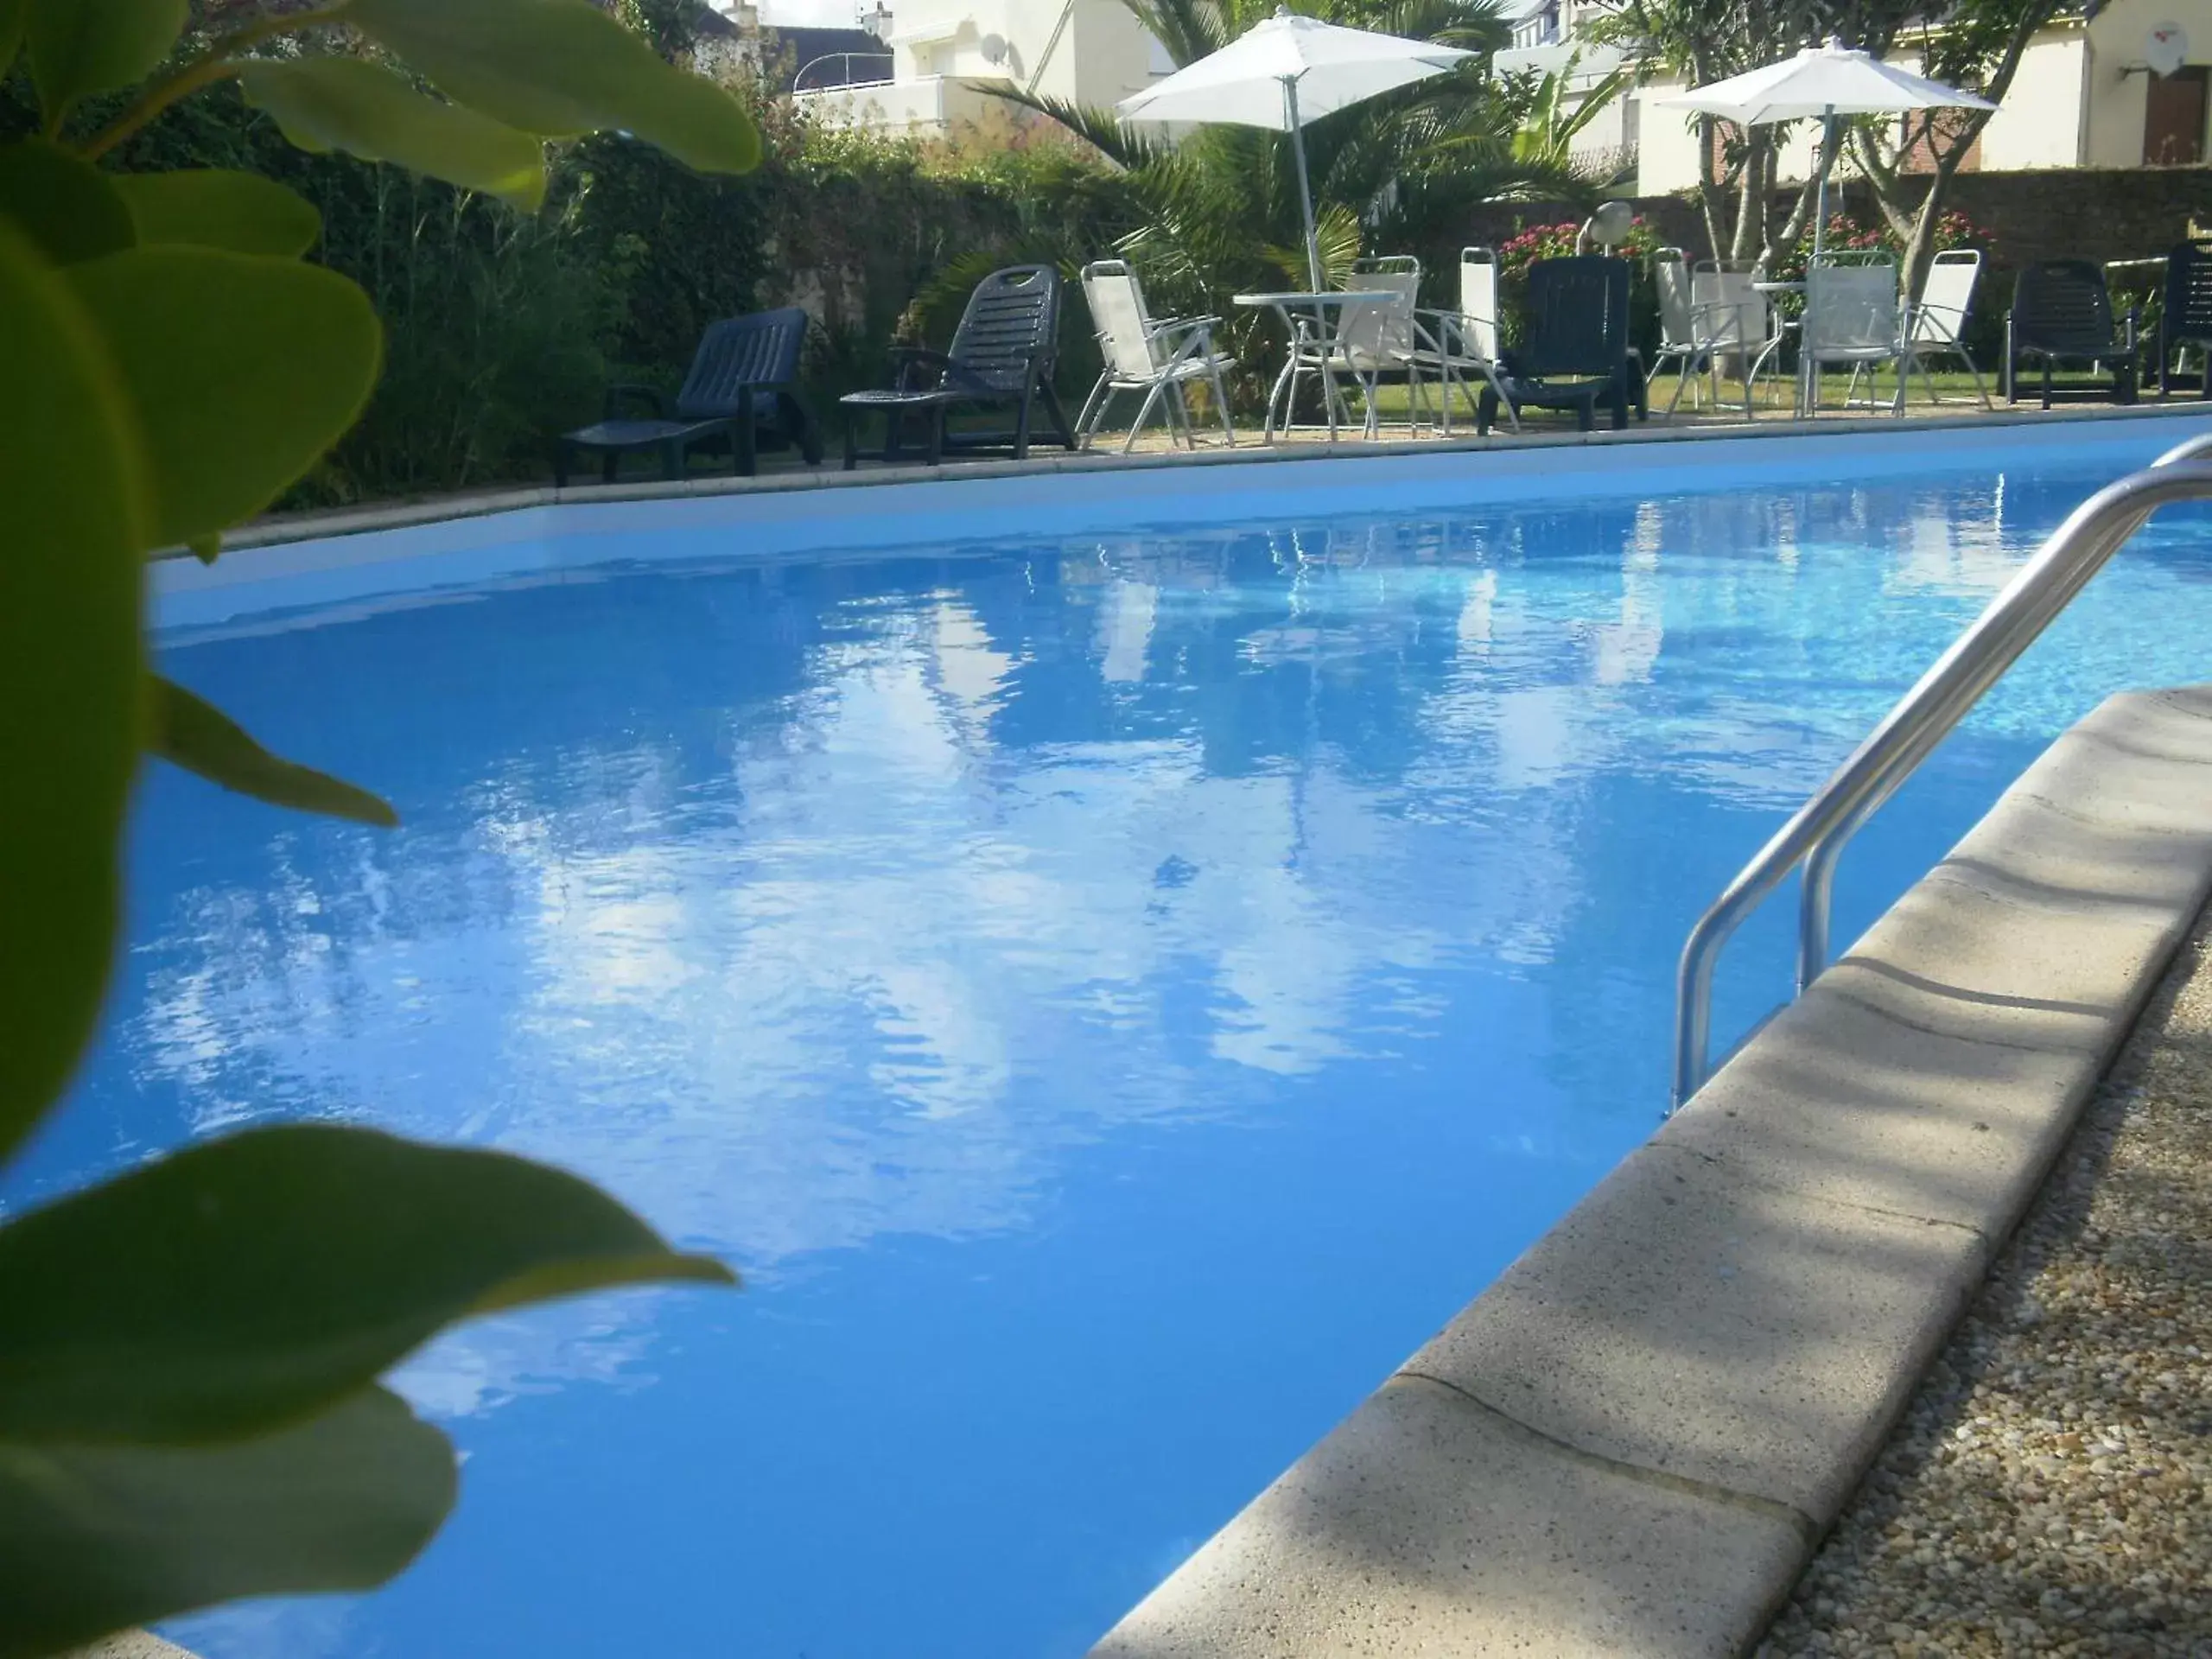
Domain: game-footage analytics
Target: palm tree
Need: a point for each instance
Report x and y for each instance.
(1401, 173)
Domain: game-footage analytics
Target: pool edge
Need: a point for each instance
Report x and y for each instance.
(1633, 1442)
(286, 529)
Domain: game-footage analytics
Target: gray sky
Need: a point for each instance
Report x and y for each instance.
(822, 14)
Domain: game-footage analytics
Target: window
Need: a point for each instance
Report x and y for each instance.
(2173, 118)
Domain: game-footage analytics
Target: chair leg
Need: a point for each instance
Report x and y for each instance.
(744, 442)
(938, 418)
(1144, 414)
(851, 424)
(1059, 414)
(608, 465)
(561, 465)
(1021, 423)
(1497, 395)
(1093, 417)
(805, 429)
(1221, 403)
(2046, 381)
(1094, 410)
(1981, 391)
(1487, 411)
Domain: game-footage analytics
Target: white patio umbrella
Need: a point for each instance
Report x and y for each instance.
(1821, 82)
(1283, 73)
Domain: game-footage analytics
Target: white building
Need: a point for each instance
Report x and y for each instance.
(2085, 96)
(1091, 52)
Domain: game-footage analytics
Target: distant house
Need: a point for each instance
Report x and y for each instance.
(2086, 96)
(940, 52)
(814, 59)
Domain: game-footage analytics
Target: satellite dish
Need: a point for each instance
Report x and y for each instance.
(993, 48)
(2166, 48)
(1609, 225)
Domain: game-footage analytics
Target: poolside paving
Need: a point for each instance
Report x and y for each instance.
(780, 472)
(2050, 1490)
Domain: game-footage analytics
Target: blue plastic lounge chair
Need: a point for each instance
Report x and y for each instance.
(740, 382)
(1002, 352)
(2062, 312)
(2186, 318)
(1574, 351)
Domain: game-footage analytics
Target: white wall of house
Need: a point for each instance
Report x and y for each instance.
(1090, 51)
(2117, 83)
(2041, 121)
(2078, 101)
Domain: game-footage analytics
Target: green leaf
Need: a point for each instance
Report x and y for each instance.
(205, 549)
(73, 495)
(96, 1539)
(325, 104)
(68, 206)
(83, 46)
(190, 732)
(242, 373)
(213, 207)
(245, 1282)
(12, 16)
(561, 68)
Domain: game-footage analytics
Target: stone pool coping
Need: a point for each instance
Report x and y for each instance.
(284, 529)
(1633, 1441)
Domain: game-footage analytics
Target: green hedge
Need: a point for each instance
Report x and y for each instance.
(504, 327)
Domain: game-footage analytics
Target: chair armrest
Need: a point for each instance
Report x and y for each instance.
(906, 359)
(612, 406)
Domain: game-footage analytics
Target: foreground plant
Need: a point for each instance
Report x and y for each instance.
(189, 1409)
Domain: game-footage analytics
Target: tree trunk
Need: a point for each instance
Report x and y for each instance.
(1708, 189)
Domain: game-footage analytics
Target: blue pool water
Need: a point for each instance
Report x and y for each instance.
(1112, 996)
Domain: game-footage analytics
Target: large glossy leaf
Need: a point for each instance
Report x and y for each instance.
(83, 46)
(561, 67)
(73, 522)
(191, 731)
(214, 207)
(64, 204)
(246, 1281)
(95, 1539)
(242, 372)
(344, 104)
(12, 14)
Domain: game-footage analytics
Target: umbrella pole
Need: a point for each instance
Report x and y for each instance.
(1821, 194)
(1305, 189)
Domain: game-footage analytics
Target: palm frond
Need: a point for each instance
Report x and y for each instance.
(1100, 129)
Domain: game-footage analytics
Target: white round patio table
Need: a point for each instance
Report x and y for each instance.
(1311, 321)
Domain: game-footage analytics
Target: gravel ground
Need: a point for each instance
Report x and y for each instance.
(2050, 1490)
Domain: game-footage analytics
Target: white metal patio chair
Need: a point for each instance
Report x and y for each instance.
(1456, 347)
(1376, 340)
(1735, 323)
(1938, 324)
(1710, 315)
(1157, 359)
(1851, 321)
(1678, 342)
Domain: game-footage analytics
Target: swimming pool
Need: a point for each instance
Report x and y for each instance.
(1072, 973)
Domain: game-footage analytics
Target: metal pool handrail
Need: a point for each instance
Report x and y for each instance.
(1815, 835)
